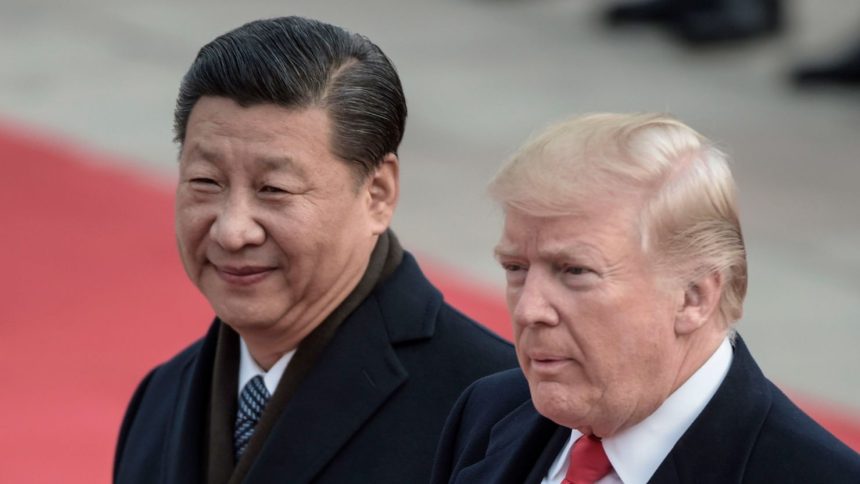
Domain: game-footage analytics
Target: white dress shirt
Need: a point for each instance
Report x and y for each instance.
(248, 368)
(637, 452)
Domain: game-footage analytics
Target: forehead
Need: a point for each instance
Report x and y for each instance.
(602, 227)
(219, 128)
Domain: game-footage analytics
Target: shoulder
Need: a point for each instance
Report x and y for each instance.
(418, 319)
(458, 351)
(487, 401)
(788, 446)
(170, 371)
(144, 425)
(750, 431)
(163, 381)
(480, 409)
(463, 333)
(793, 445)
(498, 394)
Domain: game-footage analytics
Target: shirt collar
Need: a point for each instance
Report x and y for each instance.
(248, 368)
(637, 452)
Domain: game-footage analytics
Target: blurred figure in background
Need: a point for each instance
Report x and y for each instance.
(842, 70)
(702, 22)
(709, 22)
(332, 358)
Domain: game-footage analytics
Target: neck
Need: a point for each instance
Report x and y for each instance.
(267, 344)
(692, 352)
(699, 348)
(320, 317)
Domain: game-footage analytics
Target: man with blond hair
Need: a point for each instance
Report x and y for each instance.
(626, 271)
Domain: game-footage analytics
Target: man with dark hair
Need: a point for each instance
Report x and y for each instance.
(332, 358)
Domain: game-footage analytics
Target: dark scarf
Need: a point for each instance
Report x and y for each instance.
(221, 468)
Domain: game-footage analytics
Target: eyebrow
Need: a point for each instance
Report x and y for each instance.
(566, 251)
(504, 250)
(278, 163)
(197, 152)
(269, 162)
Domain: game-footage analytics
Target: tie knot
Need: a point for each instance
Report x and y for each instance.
(588, 461)
(252, 401)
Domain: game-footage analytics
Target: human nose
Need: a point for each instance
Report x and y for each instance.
(235, 226)
(531, 304)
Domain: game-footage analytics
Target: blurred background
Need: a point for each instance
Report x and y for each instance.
(91, 84)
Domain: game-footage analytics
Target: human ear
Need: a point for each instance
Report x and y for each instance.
(700, 304)
(383, 189)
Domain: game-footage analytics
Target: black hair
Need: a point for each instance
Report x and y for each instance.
(297, 62)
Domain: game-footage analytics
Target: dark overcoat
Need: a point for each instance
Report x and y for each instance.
(749, 432)
(371, 410)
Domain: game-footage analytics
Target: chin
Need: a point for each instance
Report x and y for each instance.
(244, 317)
(559, 404)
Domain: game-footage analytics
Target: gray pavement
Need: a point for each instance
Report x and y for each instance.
(480, 75)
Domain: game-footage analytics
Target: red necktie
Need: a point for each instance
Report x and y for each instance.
(588, 461)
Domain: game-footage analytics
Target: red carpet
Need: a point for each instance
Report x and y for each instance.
(96, 296)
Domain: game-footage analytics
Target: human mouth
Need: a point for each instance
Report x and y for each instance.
(547, 363)
(242, 275)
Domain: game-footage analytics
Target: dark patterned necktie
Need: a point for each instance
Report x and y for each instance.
(252, 401)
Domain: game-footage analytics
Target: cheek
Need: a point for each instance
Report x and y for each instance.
(521, 359)
(351, 221)
(590, 327)
(192, 224)
(650, 320)
(511, 298)
(644, 348)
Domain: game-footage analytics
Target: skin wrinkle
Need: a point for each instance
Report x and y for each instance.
(618, 330)
(315, 243)
(604, 345)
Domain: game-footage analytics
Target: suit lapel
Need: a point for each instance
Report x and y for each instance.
(354, 376)
(186, 437)
(547, 457)
(521, 448)
(667, 473)
(718, 444)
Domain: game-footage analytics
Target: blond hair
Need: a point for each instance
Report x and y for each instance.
(688, 219)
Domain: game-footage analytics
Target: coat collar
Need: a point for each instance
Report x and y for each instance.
(408, 303)
(355, 375)
(718, 445)
(521, 447)
(186, 438)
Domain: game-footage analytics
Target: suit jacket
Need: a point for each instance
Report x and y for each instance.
(749, 432)
(370, 410)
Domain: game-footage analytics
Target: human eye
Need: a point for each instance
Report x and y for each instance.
(204, 184)
(515, 272)
(576, 270)
(512, 267)
(578, 275)
(274, 192)
(277, 186)
(272, 189)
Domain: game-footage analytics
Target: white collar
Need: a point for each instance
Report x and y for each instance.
(248, 368)
(637, 452)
